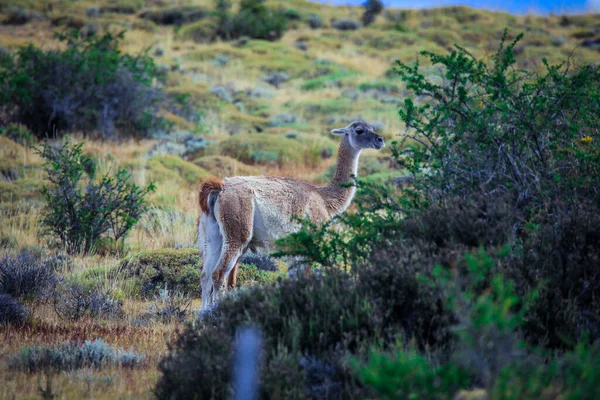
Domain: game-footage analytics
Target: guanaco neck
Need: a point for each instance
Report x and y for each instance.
(338, 194)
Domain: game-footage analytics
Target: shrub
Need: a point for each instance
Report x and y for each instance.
(20, 16)
(408, 374)
(372, 9)
(68, 21)
(11, 311)
(262, 262)
(309, 327)
(168, 306)
(346, 25)
(201, 31)
(79, 219)
(17, 134)
(156, 269)
(480, 111)
(317, 317)
(74, 301)
(175, 15)
(470, 190)
(26, 276)
(254, 20)
(71, 356)
(474, 118)
(249, 274)
(314, 21)
(90, 86)
(559, 258)
(292, 14)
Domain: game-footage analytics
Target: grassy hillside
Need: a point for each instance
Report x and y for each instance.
(238, 107)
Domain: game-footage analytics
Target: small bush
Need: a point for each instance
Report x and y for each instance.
(26, 276)
(168, 306)
(262, 262)
(175, 15)
(176, 269)
(254, 20)
(200, 31)
(408, 374)
(20, 16)
(17, 134)
(71, 356)
(11, 311)
(68, 21)
(292, 14)
(372, 9)
(346, 25)
(314, 21)
(90, 87)
(249, 274)
(79, 219)
(74, 301)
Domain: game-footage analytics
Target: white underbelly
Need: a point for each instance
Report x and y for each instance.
(271, 223)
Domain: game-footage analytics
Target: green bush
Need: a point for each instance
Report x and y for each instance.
(253, 19)
(90, 86)
(491, 167)
(105, 210)
(175, 15)
(178, 270)
(496, 129)
(409, 375)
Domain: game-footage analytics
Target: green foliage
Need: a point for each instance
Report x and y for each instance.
(177, 270)
(409, 375)
(17, 134)
(490, 167)
(372, 9)
(501, 163)
(90, 86)
(574, 375)
(253, 19)
(105, 210)
(250, 274)
(497, 129)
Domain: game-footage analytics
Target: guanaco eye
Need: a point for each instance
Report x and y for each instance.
(360, 131)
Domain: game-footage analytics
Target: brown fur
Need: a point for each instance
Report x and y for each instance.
(253, 211)
(208, 186)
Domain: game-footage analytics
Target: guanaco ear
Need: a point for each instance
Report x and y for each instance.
(341, 131)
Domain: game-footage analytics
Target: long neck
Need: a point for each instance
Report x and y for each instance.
(338, 194)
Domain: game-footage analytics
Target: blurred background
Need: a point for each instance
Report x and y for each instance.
(512, 6)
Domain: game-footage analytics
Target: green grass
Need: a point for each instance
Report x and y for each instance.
(173, 168)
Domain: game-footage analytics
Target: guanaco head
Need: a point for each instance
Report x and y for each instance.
(361, 136)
